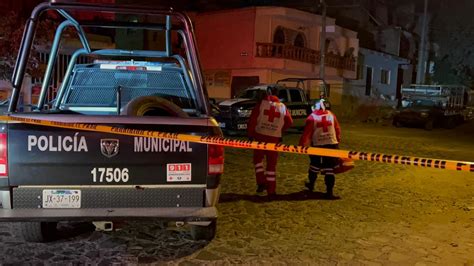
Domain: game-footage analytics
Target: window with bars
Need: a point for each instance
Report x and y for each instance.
(385, 76)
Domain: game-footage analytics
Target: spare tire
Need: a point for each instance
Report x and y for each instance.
(152, 106)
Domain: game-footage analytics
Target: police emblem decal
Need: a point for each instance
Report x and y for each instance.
(109, 147)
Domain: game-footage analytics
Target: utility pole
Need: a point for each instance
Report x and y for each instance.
(420, 73)
(322, 40)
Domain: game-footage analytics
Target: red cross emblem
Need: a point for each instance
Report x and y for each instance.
(324, 124)
(271, 113)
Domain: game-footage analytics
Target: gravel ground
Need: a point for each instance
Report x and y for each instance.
(387, 214)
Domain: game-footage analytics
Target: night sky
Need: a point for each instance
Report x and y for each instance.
(205, 5)
(451, 21)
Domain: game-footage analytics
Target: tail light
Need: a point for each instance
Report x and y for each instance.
(215, 159)
(3, 155)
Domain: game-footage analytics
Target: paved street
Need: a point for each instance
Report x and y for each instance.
(387, 214)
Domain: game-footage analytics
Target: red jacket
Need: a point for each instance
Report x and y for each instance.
(306, 138)
(253, 122)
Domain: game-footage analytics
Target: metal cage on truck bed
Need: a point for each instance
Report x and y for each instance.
(174, 22)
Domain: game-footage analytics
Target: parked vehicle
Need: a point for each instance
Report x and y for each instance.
(432, 106)
(468, 101)
(50, 174)
(234, 113)
(4, 106)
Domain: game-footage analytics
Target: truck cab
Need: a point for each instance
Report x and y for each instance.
(233, 114)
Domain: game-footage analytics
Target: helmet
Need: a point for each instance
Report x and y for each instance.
(321, 104)
(271, 90)
(327, 104)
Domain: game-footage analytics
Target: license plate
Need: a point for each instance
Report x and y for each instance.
(242, 126)
(221, 125)
(61, 199)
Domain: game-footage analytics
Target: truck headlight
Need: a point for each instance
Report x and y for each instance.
(244, 112)
(423, 114)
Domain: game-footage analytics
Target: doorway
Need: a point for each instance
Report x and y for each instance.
(368, 81)
(399, 87)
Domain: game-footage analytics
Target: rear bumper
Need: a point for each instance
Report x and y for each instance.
(233, 124)
(191, 203)
(239, 124)
(96, 197)
(109, 214)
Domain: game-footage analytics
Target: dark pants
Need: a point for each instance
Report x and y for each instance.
(325, 166)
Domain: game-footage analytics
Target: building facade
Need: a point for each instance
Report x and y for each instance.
(377, 89)
(244, 47)
(379, 80)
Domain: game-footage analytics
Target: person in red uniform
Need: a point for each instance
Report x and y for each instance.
(268, 120)
(322, 130)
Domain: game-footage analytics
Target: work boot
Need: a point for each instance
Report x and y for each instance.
(329, 180)
(261, 188)
(271, 188)
(330, 196)
(312, 180)
(309, 186)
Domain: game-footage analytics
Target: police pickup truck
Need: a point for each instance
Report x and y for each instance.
(235, 113)
(51, 174)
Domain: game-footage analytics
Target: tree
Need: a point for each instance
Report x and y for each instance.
(453, 33)
(11, 34)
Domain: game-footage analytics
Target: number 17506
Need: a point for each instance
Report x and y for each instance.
(109, 175)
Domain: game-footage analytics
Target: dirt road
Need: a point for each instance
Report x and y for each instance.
(387, 214)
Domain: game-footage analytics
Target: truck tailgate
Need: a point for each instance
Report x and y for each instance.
(39, 155)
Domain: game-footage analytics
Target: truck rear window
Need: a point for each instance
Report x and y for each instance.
(94, 86)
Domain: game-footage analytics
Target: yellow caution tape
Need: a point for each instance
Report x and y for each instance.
(246, 144)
